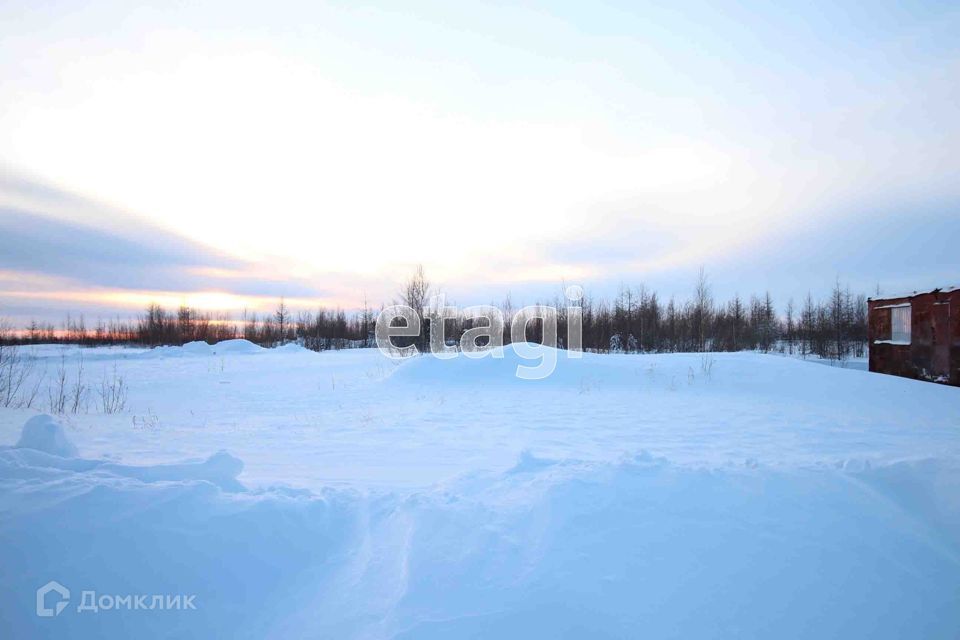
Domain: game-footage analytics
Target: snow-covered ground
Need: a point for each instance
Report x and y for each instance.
(341, 495)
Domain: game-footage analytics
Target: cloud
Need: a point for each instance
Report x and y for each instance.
(505, 148)
(35, 243)
(56, 248)
(900, 245)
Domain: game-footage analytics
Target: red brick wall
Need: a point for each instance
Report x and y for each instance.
(914, 360)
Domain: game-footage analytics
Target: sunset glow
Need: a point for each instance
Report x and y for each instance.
(323, 163)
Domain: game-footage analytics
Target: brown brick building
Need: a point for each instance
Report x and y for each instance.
(916, 335)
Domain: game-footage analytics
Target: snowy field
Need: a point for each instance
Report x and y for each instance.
(341, 495)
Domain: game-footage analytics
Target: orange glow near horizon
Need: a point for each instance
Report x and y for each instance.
(206, 301)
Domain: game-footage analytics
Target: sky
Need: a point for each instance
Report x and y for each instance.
(224, 154)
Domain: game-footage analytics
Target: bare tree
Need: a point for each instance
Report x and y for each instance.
(282, 316)
(16, 369)
(702, 309)
(414, 294)
(113, 392)
(837, 320)
(415, 290)
(78, 392)
(366, 322)
(790, 326)
(57, 391)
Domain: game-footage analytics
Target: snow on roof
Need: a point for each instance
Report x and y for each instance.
(913, 293)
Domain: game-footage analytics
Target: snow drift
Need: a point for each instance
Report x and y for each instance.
(626, 496)
(43, 434)
(545, 549)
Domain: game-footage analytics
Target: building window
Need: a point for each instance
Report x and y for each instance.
(900, 324)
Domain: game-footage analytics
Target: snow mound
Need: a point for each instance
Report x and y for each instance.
(200, 348)
(220, 469)
(197, 347)
(44, 434)
(577, 551)
(292, 347)
(529, 463)
(237, 345)
(44, 446)
(507, 365)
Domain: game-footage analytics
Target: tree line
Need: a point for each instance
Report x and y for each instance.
(156, 326)
(636, 320)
